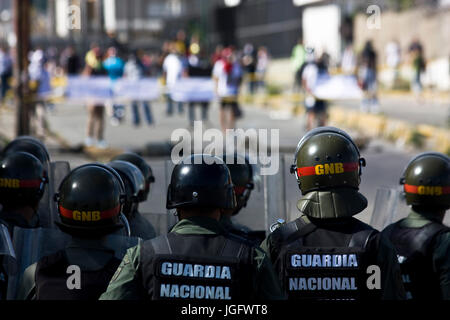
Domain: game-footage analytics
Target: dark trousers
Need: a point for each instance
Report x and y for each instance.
(203, 105)
(147, 112)
(170, 106)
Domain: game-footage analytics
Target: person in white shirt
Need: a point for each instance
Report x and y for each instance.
(173, 70)
(227, 73)
(316, 109)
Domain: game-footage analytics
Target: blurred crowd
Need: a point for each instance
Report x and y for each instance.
(177, 58)
(309, 64)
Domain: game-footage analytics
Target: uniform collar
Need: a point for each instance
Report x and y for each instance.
(198, 225)
(226, 221)
(424, 216)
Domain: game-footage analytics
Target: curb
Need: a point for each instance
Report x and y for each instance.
(398, 131)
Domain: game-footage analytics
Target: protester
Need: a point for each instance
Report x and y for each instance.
(39, 77)
(298, 59)
(114, 66)
(134, 70)
(227, 73)
(172, 71)
(393, 59)
(199, 66)
(367, 74)
(6, 71)
(316, 109)
(249, 61)
(96, 109)
(70, 61)
(348, 62)
(261, 66)
(418, 64)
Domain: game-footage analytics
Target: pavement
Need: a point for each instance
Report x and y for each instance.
(67, 123)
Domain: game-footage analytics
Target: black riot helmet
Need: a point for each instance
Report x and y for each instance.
(22, 179)
(242, 177)
(327, 158)
(145, 168)
(201, 180)
(31, 145)
(134, 184)
(426, 181)
(90, 200)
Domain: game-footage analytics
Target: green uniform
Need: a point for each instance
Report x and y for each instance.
(126, 284)
(440, 251)
(391, 284)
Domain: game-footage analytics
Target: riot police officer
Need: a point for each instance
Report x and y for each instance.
(242, 177)
(140, 227)
(22, 184)
(47, 212)
(31, 145)
(135, 186)
(326, 252)
(421, 240)
(198, 259)
(8, 264)
(90, 201)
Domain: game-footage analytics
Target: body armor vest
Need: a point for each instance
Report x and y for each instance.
(187, 267)
(51, 279)
(414, 252)
(321, 263)
(3, 280)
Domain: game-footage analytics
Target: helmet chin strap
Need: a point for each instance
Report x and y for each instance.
(335, 203)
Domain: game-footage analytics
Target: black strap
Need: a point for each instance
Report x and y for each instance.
(361, 238)
(293, 231)
(427, 235)
(161, 245)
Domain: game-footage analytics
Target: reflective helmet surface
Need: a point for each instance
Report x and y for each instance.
(90, 200)
(145, 168)
(242, 177)
(326, 158)
(31, 145)
(134, 183)
(22, 179)
(426, 180)
(201, 181)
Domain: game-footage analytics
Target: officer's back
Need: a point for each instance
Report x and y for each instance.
(421, 239)
(326, 253)
(198, 259)
(89, 205)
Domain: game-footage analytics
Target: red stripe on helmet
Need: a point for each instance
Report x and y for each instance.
(409, 188)
(30, 183)
(67, 213)
(306, 171)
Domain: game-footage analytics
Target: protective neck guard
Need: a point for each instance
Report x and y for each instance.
(335, 203)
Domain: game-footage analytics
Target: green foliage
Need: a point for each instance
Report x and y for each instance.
(417, 139)
(273, 89)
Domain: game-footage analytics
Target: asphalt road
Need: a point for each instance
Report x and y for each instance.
(436, 113)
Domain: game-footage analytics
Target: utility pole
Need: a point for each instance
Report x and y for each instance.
(21, 90)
